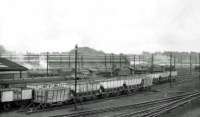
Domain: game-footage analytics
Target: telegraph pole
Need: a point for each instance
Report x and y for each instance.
(111, 65)
(190, 63)
(69, 61)
(105, 62)
(170, 74)
(199, 66)
(82, 61)
(134, 62)
(181, 61)
(75, 93)
(113, 59)
(174, 62)
(60, 61)
(78, 61)
(110, 60)
(139, 59)
(120, 61)
(152, 63)
(28, 59)
(47, 64)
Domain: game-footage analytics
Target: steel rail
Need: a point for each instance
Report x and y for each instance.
(157, 110)
(110, 109)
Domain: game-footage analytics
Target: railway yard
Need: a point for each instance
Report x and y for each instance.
(160, 100)
(105, 85)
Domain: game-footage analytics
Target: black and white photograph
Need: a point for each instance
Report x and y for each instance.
(99, 58)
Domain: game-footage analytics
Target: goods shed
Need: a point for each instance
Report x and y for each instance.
(11, 70)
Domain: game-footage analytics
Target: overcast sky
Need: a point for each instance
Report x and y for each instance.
(119, 26)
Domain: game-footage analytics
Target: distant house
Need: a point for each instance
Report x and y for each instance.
(11, 70)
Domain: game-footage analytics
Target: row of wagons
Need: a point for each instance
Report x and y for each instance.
(50, 93)
(61, 92)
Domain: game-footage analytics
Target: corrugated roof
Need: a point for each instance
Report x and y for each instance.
(7, 65)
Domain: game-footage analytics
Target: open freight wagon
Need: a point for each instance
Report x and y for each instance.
(14, 97)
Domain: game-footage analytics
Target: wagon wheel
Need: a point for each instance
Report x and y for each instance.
(6, 107)
(18, 103)
(160, 79)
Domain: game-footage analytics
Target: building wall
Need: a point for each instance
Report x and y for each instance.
(12, 75)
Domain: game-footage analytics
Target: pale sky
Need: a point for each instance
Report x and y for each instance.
(119, 26)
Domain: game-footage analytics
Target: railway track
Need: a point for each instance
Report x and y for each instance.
(186, 76)
(158, 110)
(167, 102)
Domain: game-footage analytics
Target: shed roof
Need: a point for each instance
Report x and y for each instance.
(7, 65)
